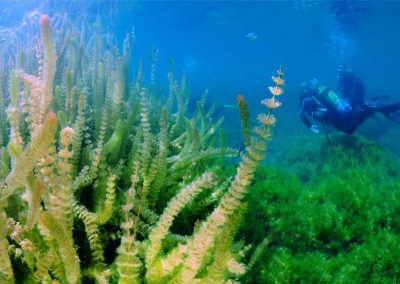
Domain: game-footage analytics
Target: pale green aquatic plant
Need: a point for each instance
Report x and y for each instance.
(71, 160)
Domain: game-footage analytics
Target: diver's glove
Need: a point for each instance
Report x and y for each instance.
(319, 112)
(314, 128)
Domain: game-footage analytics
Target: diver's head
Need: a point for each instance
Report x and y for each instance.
(314, 84)
(304, 90)
(308, 89)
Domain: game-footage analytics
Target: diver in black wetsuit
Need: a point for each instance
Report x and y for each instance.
(345, 109)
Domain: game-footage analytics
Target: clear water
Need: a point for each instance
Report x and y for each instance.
(234, 47)
(207, 39)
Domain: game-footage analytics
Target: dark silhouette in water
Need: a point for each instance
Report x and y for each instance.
(345, 109)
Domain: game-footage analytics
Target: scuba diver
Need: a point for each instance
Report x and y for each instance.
(345, 109)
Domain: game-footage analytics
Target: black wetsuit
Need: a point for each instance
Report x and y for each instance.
(346, 122)
(351, 89)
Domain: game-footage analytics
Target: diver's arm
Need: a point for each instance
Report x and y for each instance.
(306, 105)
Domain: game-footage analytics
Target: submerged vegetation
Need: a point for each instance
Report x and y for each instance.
(341, 226)
(104, 180)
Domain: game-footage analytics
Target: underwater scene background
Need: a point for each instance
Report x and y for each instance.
(161, 142)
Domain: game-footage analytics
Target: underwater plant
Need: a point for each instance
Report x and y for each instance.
(339, 226)
(98, 171)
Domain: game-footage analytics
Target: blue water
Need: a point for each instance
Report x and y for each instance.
(207, 41)
(324, 205)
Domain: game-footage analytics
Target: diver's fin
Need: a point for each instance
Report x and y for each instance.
(392, 112)
(394, 116)
(379, 100)
(385, 109)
